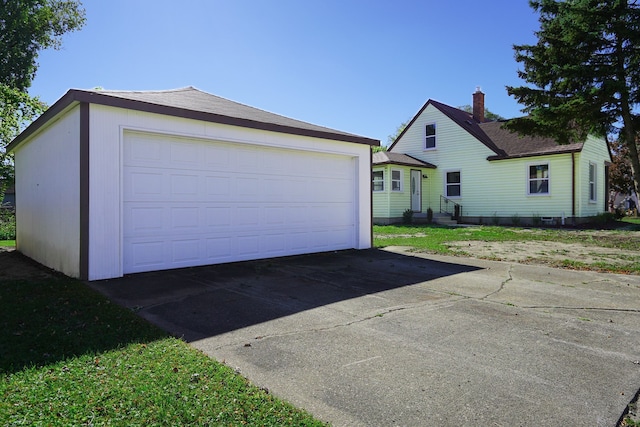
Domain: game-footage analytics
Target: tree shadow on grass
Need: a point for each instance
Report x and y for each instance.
(47, 317)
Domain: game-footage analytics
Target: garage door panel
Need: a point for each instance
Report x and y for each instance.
(274, 244)
(217, 217)
(218, 249)
(217, 186)
(185, 154)
(189, 202)
(145, 255)
(185, 250)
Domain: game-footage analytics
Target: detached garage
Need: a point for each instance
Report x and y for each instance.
(110, 183)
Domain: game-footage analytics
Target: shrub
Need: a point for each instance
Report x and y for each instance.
(515, 219)
(495, 219)
(7, 224)
(429, 215)
(606, 217)
(536, 220)
(407, 217)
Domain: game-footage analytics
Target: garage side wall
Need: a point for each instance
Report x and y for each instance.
(48, 195)
(108, 126)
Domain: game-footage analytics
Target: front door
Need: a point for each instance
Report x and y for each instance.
(416, 190)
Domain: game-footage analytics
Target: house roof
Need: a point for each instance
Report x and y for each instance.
(504, 143)
(385, 157)
(192, 103)
(515, 145)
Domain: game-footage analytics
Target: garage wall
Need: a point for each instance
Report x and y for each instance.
(107, 128)
(48, 195)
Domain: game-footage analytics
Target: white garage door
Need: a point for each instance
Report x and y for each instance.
(190, 202)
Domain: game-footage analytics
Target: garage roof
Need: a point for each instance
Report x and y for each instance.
(192, 103)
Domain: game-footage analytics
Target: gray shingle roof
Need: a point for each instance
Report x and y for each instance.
(195, 104)
(190, 98)
(504, 143)
(385, 157)
(515, 145)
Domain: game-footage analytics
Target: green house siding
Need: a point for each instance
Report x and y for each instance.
(596, 153)
(493, 188)
(389, 205)
(512, 198)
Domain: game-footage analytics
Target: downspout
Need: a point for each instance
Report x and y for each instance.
(371, 197)
(573, 188)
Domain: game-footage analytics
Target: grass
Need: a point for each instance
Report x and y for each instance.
(631, 220)
(7, 242)
(434, 239)
(70, 357)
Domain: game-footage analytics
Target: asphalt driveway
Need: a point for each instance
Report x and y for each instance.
(385, 337)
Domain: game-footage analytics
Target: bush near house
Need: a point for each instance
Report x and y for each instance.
(7, 224)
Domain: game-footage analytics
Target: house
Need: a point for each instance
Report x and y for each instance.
(116, 182)
(457, 163)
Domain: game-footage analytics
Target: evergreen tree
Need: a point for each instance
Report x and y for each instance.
(584, 73)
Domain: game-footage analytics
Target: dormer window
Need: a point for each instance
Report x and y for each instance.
(430, 137)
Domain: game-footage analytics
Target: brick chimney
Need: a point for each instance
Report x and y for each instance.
(478, 105)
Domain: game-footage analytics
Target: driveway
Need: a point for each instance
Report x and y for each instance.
(387, 337)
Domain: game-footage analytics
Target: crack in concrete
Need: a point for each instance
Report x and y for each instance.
(502, 285)
(557, 307)
(336, 326)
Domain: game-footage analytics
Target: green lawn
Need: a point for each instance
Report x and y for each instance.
(433, 239)
(70, 357)
(7, 242)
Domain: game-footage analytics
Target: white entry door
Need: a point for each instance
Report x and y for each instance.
(189, 202)
(416, 190)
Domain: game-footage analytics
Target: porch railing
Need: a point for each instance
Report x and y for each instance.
(449, 207)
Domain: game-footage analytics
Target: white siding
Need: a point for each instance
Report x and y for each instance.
(48, 195)
(107, 127)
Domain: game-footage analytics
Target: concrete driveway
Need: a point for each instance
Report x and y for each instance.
(386, 337)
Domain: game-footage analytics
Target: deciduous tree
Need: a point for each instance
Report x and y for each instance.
(26, 28)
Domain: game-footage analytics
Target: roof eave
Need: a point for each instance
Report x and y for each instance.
(413, 165)
(524, 155)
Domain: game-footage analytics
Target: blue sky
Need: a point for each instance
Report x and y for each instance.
(360, 66)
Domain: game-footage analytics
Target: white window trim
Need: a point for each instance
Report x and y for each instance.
(401, 180)
(435, 138)
(528, 180)
(446, 186)
(595, 183)
(382, 181)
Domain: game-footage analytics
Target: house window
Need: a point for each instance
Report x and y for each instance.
(538, 179)
(396, 180)
(452, 184)
(593, 195)
(430, 137)
(378, 180)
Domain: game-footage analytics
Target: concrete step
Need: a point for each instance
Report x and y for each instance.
(443, 219)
